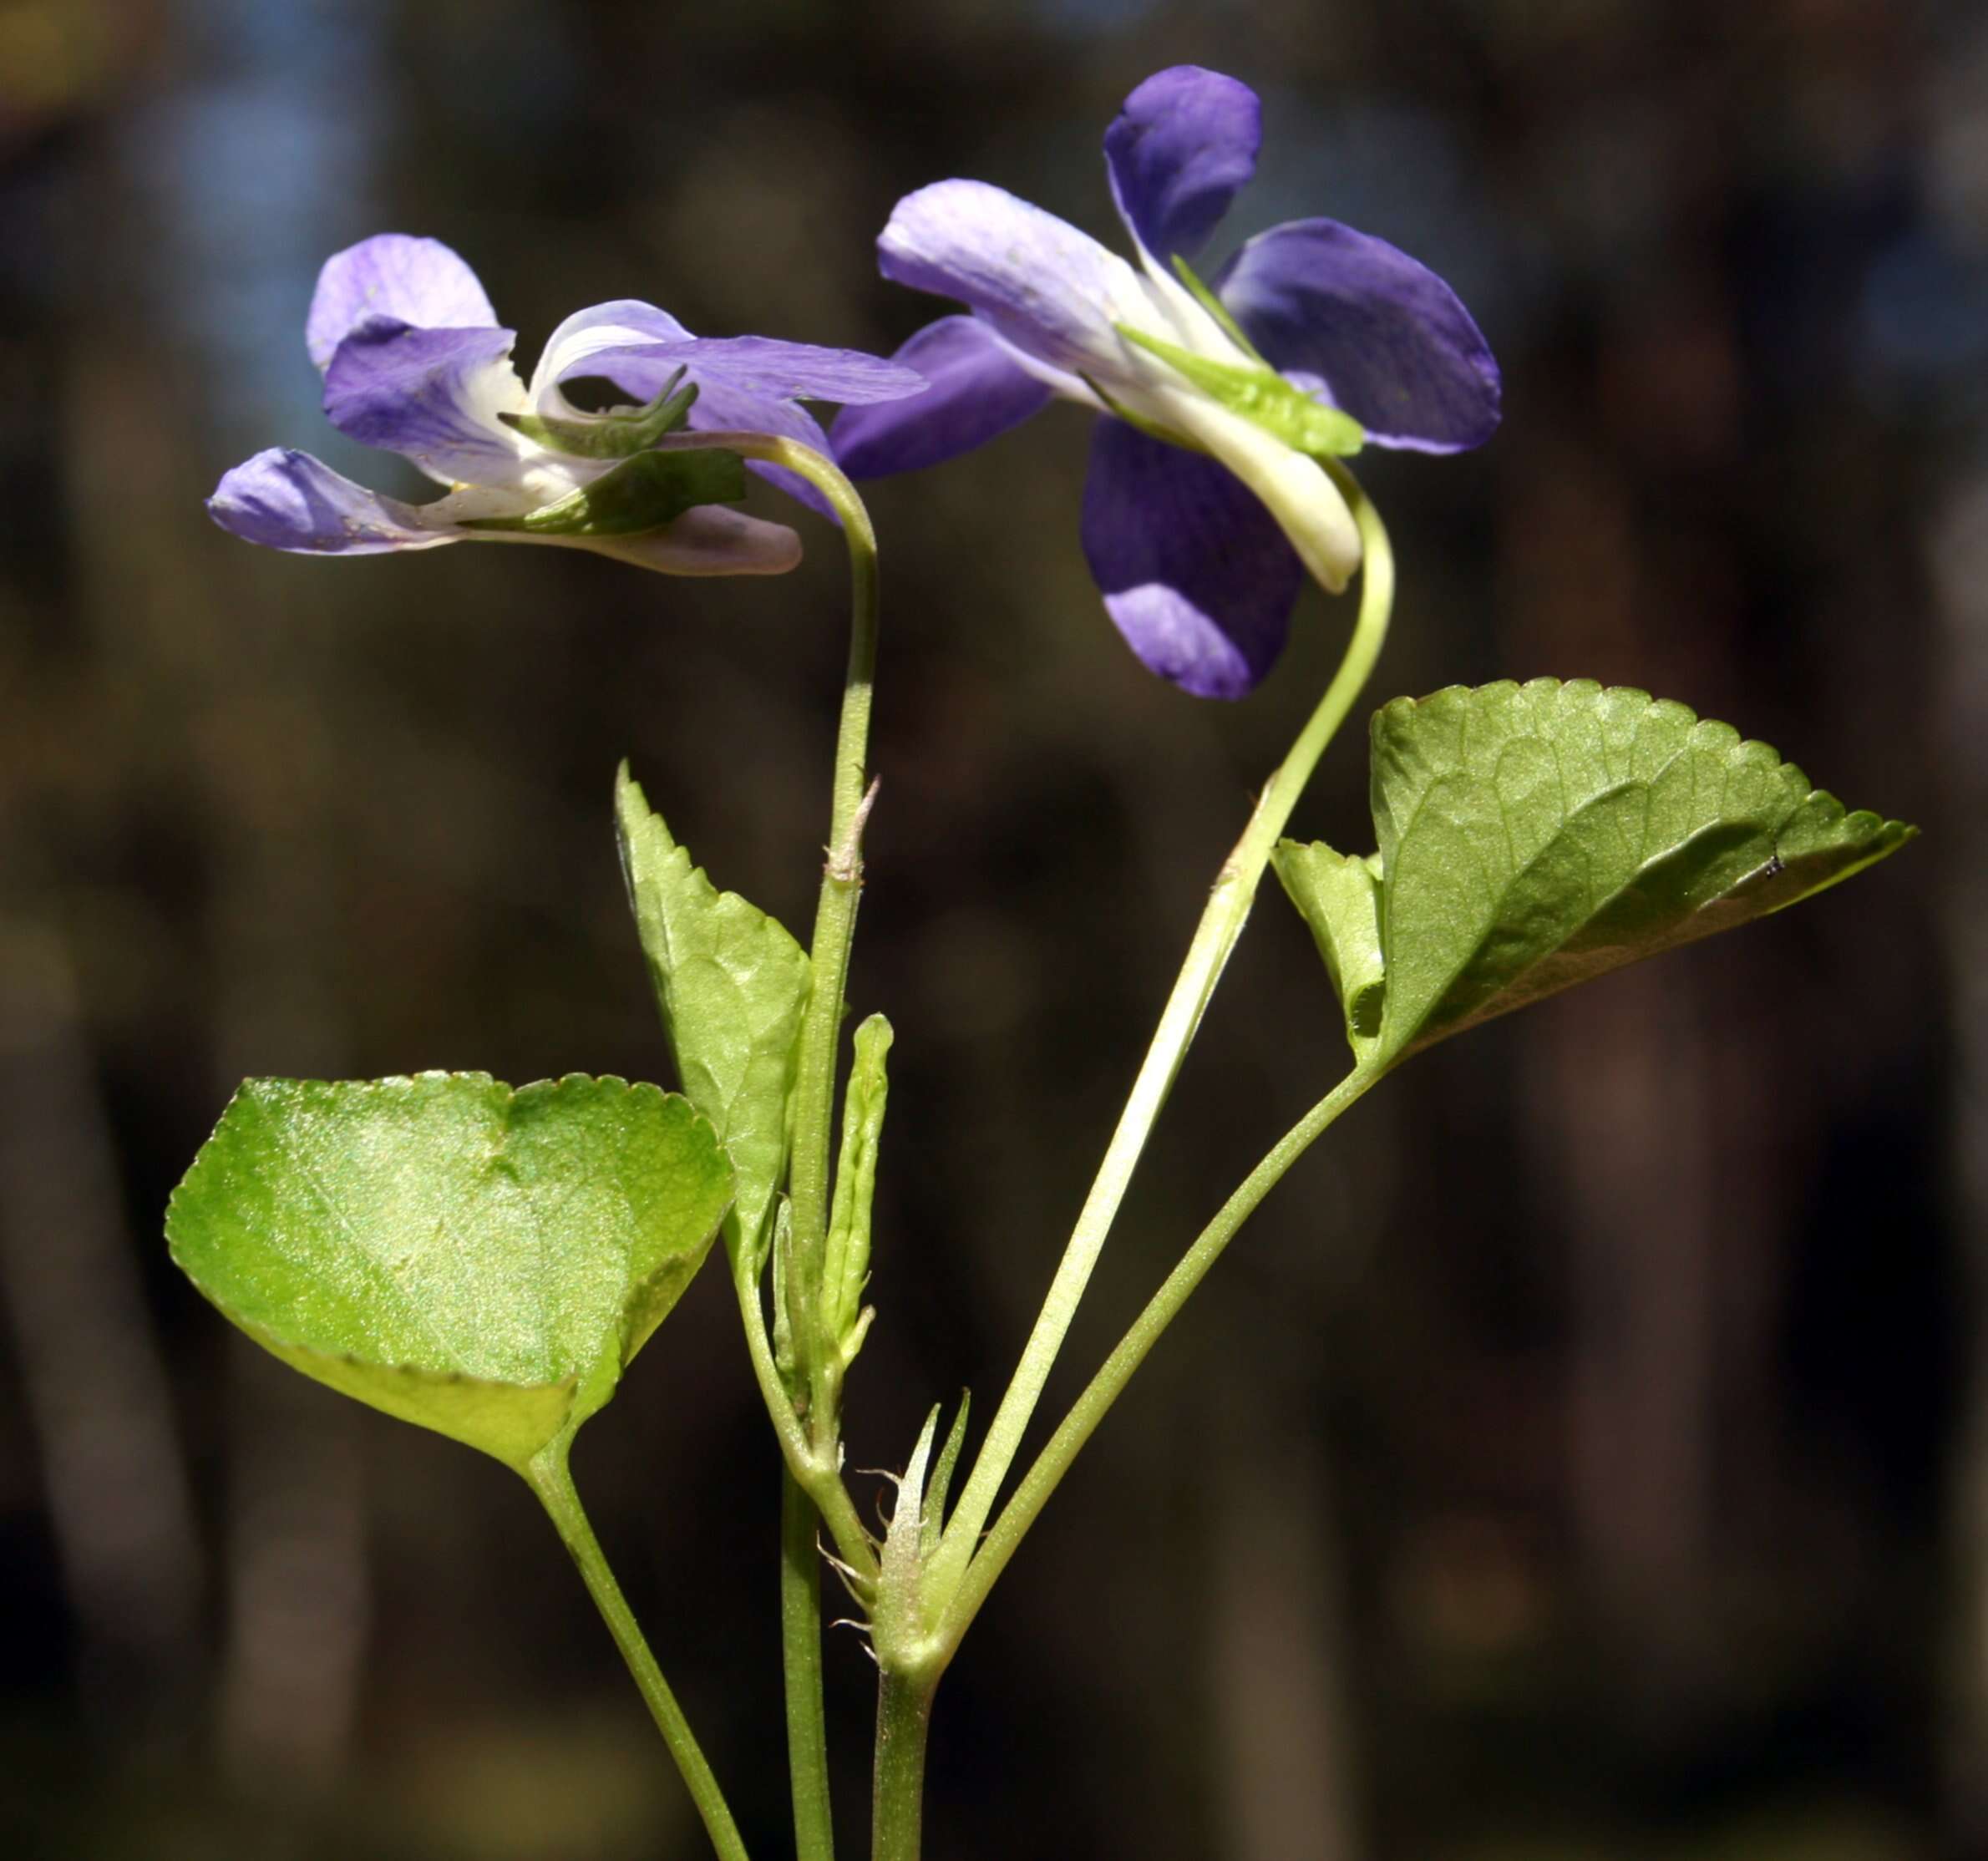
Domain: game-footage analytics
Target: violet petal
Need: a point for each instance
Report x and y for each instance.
(433, 395)
(638, 347)
(1053, 292)
(419, 282)
(978, 391)
(1183, 146)
(289, 500)
(1194, 571)
(1398, 350)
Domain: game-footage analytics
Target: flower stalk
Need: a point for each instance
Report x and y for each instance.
(1214, 938)
(804, 1410)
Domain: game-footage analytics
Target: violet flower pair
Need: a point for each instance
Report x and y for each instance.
(1207, 501)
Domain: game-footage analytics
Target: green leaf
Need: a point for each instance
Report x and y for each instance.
(1339, 894)
(481, 1261)
(1532, 836)
(650, 491)
(731, 985)
(615, 435)
(845, 1263)
(1262, 396)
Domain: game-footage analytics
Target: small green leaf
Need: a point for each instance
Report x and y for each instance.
(1532, 836)
(481, 1261)
(1262, 396)
(845, 1264)
(650, 491)
(1339, 894)
(731, 985)
(611, 435)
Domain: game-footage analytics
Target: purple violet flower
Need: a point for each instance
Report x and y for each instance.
(414, 362)
(1206, 502)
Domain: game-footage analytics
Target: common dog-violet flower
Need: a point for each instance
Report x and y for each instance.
(1205, 503)
(414, 362)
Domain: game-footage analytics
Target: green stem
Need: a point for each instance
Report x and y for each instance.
(805, 1419)
(800, 1648)
(819, 1476)
(836, 909)
(1104, 1388)
(904, 1716)
(1214, 937)
(553, 1482)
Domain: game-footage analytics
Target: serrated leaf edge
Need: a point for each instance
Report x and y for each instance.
(1892, 833)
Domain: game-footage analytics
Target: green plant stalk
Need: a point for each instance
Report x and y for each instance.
(1104, 1389)
(821, 1482)
(800, 1641)
(1214, 938)
(813, 1406)
(897, 1808)
(551, 1480)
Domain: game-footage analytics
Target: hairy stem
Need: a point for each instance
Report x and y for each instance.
(553, 1482)
(1215, 936)
(903, 1716)
(800, 1649)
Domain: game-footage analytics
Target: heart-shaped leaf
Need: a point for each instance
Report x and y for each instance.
(482, 1261)
(731, 985)
(1532, 836)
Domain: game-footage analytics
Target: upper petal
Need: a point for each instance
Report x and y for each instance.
(786, 371)
(978, 390)
(1052, 292)
(289, 500)
(431, 394)
(625, 325)
(638, 347)
(1396, 348)
(1195, 573)
(745, 383)
(1178, 152)
(414, 281)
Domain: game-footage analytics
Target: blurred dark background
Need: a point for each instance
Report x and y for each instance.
(1583, 1455)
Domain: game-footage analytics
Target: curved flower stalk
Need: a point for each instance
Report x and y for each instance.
(414, 362)
(1206, 502)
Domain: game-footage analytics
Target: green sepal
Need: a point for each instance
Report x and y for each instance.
(731, 986)
(1216, 308)
(846, 1260)
(618, 435)
(480, 1261)
(648, 492)
(1262, 396)
(1532, 836)
(1338, 894)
